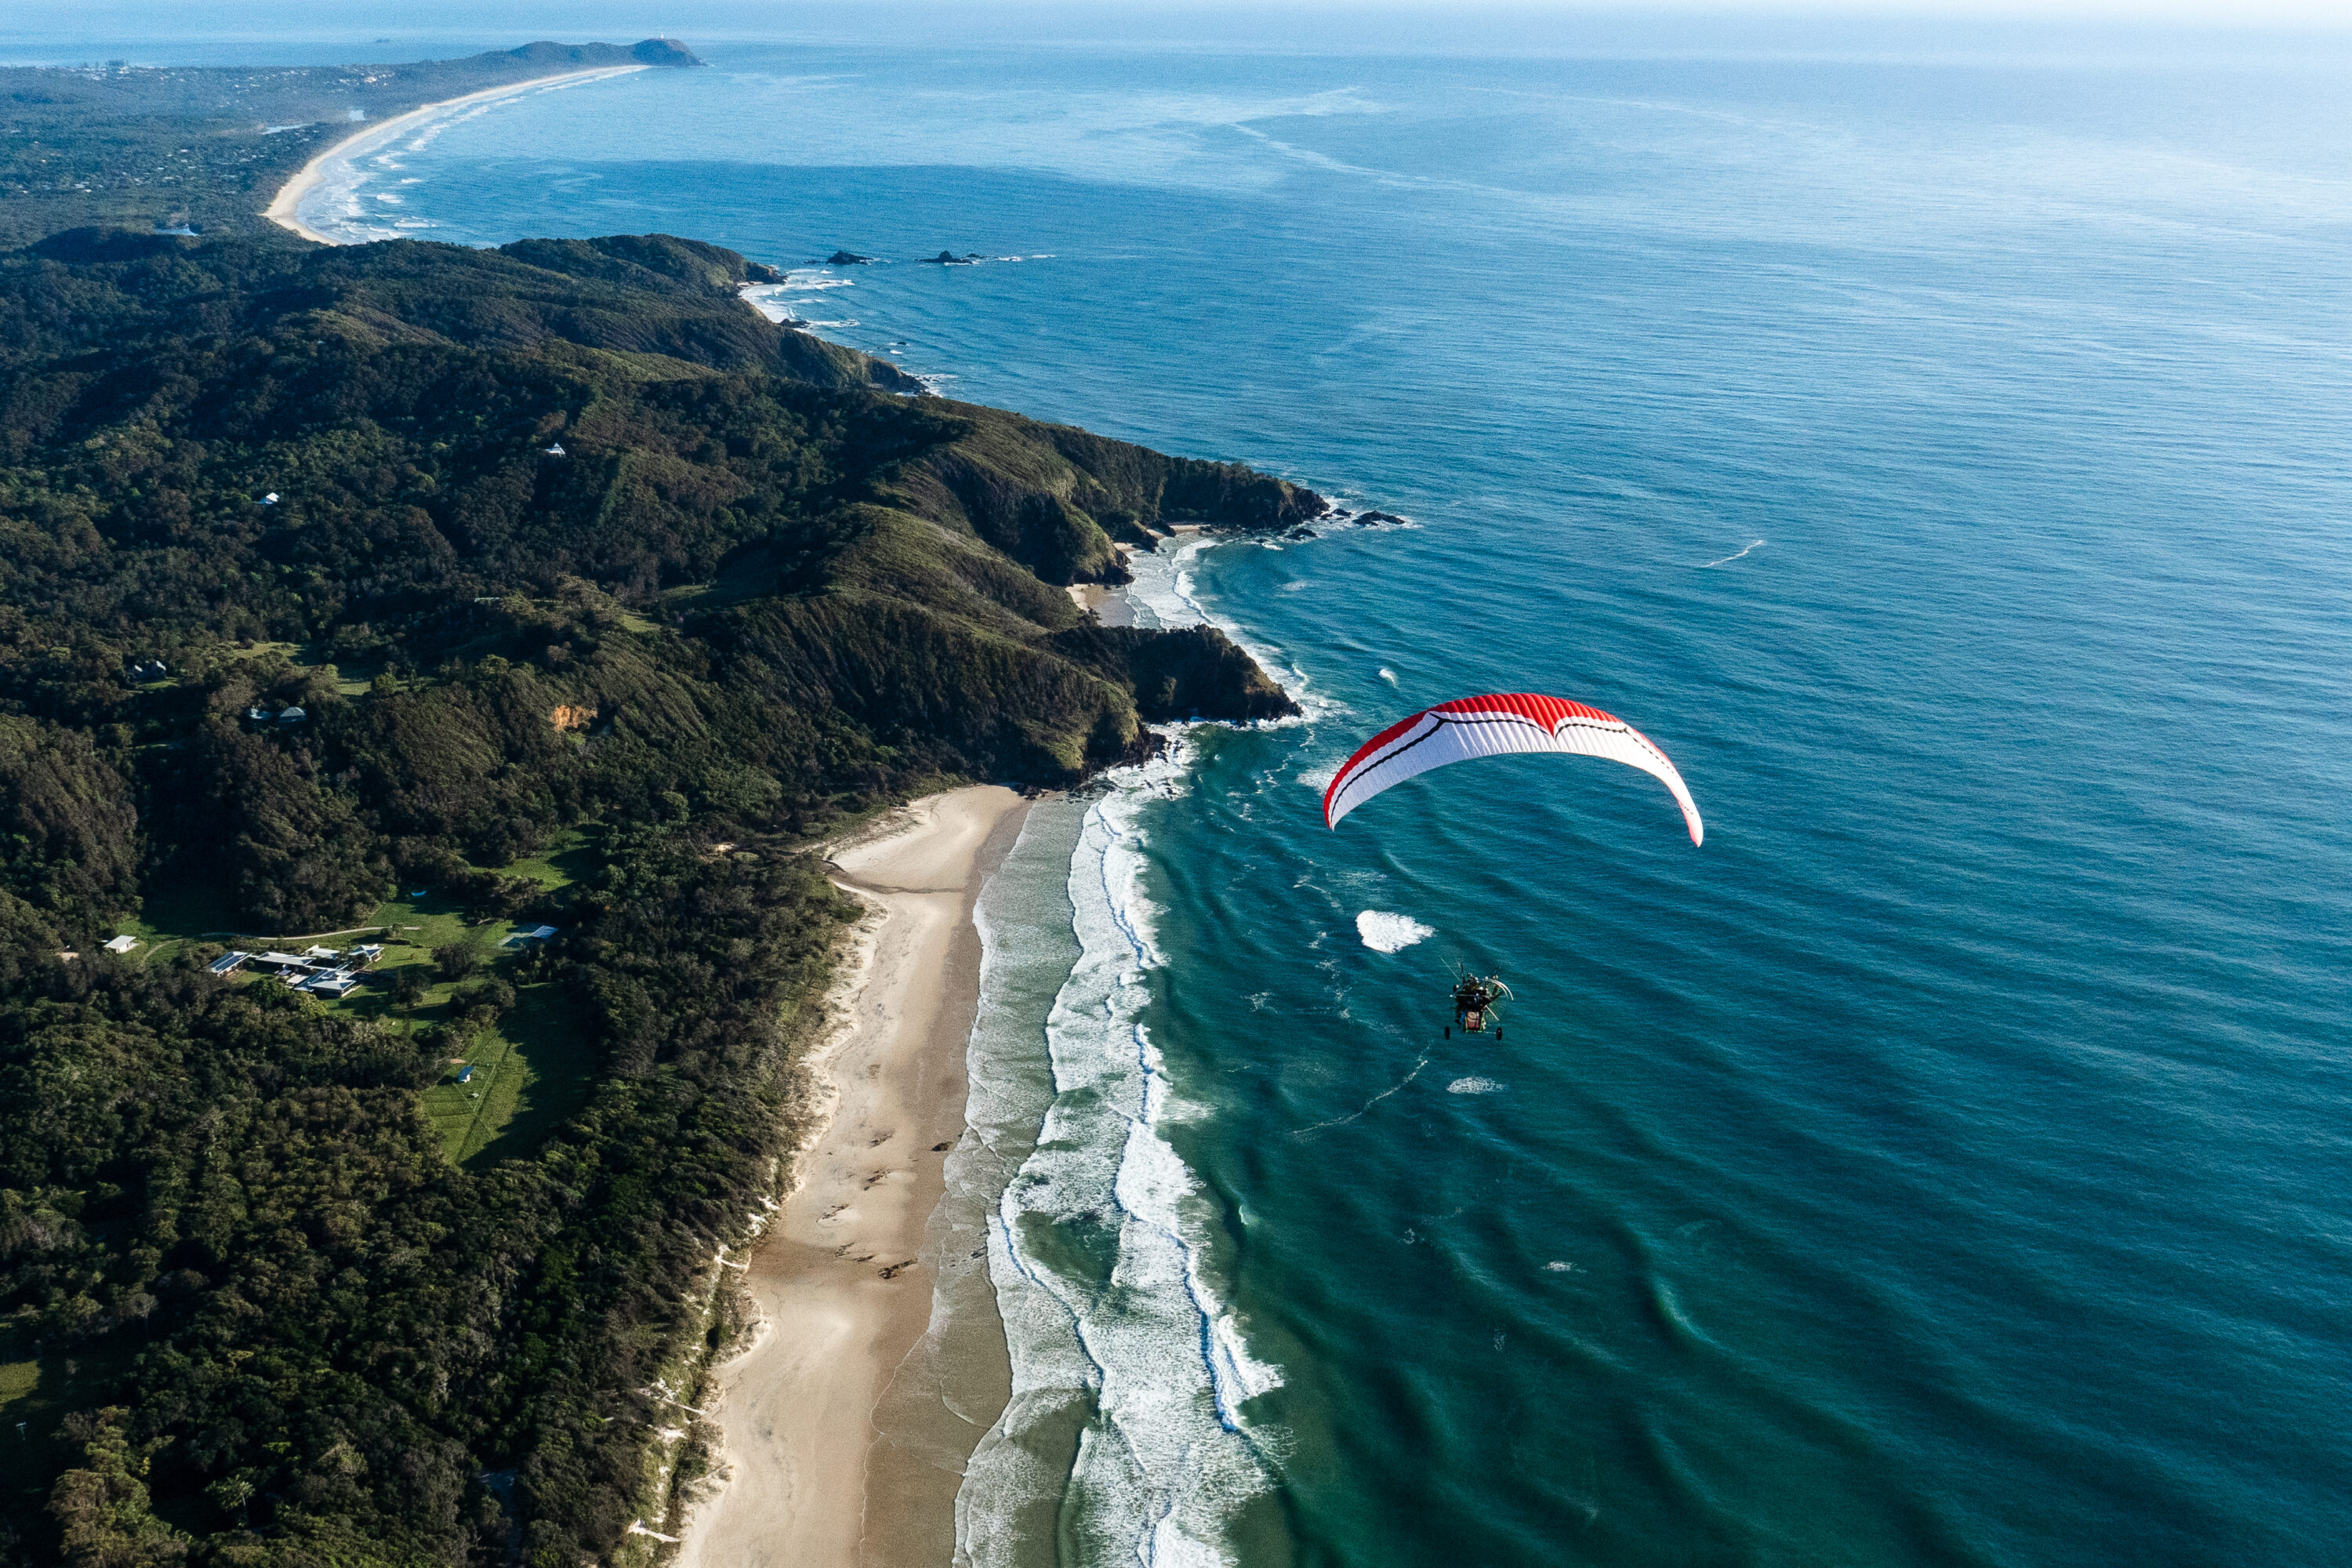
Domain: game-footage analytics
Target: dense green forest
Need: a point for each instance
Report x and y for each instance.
(564, 554)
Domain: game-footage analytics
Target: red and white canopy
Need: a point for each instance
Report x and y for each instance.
(1493, 726)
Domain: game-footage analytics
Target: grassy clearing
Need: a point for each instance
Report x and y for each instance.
(530, 1072)
(569, 856)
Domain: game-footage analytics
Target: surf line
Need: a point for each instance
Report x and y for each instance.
(1728, 559)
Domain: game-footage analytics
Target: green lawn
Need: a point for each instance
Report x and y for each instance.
(569, 856)
(530, 1073)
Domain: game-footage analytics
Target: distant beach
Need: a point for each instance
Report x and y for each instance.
(285, 208)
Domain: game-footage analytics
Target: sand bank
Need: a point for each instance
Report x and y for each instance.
(840, 1289)
(365, 139)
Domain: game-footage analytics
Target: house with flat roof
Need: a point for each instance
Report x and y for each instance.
(122, 944)
(229, 963)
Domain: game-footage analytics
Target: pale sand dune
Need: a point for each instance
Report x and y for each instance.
(801, 1448)
(365, 139)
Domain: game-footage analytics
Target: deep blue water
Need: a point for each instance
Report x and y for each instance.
(1947, 1163)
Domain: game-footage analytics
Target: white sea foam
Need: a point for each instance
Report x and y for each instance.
(1473, 1086)
(1386, 932)
(1728, 559)
(1318, 779)
(1101, 1250)
(1387, 675)
(768, 299)
(1165, 593)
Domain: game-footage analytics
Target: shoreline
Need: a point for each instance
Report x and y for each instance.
(284, 207)
(841, 1284)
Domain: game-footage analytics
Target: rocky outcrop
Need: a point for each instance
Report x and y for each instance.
(1196, 672)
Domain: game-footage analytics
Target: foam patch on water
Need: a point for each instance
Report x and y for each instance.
(1102, 1251)
(1728, 559)
(1386, 932)
(1474, 1086)
(776, 301)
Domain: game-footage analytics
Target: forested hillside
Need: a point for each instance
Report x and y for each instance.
(329, 578)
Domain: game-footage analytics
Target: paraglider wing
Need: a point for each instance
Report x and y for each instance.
(1493, 726)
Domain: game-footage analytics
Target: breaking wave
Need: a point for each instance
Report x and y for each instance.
(1100, 1252)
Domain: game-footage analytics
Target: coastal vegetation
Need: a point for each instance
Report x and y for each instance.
(418, 593)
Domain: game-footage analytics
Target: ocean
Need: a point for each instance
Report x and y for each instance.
(1945, 461)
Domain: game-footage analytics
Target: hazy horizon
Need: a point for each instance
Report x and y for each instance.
(145, 31)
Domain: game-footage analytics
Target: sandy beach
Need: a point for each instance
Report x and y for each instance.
(282, 209)
(841, 1292)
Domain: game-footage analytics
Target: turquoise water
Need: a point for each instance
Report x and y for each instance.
(1945, 1164)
